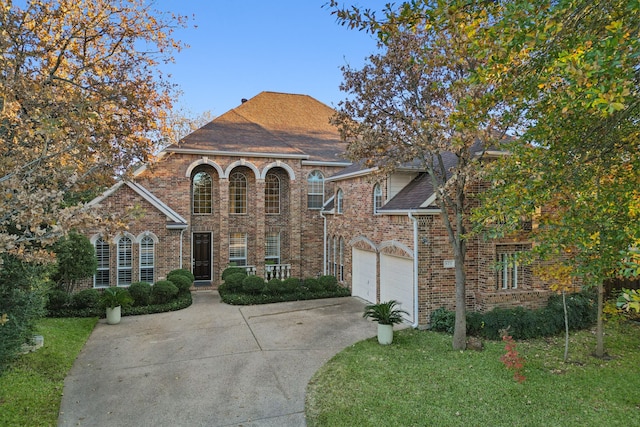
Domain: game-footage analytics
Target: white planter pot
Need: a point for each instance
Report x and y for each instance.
(113, 315)
(385, 334)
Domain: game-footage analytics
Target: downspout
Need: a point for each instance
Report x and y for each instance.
(415, 270)
(324, 244)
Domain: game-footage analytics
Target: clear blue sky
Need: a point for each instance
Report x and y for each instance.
(241, 48)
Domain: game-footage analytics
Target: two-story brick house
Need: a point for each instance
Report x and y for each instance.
(265, 186)
(245, 189)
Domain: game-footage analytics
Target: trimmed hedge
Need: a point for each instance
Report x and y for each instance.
(313, 285)
(182, 272)
(523, 323)
(182, 301)
(141, 293)
(58, 299)
(232, 270)
(253, 284)
(86, 298)
(295, 292)
(328, 282)
(233, 282)
(163, 292)
(181, 281)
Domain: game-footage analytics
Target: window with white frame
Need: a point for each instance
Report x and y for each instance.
(272, 194)
(377, 198)
(335, 256)
(512, 273)
(237, 193)
(340, 275)
(328, 260)
(202, 193)
(147, 259)
(125, 261)
(340, 201)
(272, 248)
(238, 249)
(101, 278)
(315, 190)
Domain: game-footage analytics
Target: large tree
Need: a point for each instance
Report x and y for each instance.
(417, 102)
(570, 70)
(81, 100)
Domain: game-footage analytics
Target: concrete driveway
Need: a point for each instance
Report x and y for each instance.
(211, 364)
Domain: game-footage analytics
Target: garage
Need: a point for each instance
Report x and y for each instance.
(364, 275)
(396, 281)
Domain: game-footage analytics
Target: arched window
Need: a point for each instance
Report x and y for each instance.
(377, 198)
(315, 190)
(147, 259)
(237, 193)
(101, 278)
(202, 190)
(339, 201)
(125, 264)
(335, 256)
(272, 194)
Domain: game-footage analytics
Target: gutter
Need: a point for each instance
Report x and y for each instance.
(415, 269)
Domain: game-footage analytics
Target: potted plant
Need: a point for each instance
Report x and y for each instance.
(387, 315)
(113, 299)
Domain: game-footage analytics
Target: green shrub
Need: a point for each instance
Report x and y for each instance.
(290, 285)
(443, 320)
(253, 284)
(58, 299)
(86, 298)
(274, 287)
(313, 285)
(22, 302)
(141, 293)
(163, 292)
(182, 282)
(232, 270)
(328, 283)
(234, 281)
(183, 272)
(75, 260)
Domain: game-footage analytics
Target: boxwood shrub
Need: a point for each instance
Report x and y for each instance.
(182, 272)
(274, 287)
(163, 292)
(232, 270)
(233, 281)
(290, 285)
(86, 298)
(181, 281)
(328, 282)
(57, 299)
(313, 285)
(141, 293)
(253, 284)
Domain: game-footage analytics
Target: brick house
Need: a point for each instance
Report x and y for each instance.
(386, 239)
(265, 186)
(245, 189)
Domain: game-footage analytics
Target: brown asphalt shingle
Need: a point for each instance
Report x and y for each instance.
(270, 122)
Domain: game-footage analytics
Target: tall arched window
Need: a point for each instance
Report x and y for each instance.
(147, 259)
(272, 194)
(315, 190)
(125, 261)
(377, 198)
(340, 275)
(237, 193)
(339, 201)
(335, 256)
(202, 191)
(101, 278)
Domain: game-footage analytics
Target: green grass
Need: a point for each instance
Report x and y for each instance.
(420, 381)
(31, 390)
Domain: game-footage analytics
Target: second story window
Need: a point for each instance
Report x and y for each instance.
(377, 198)
(237, 193)
(272, 194)
(340, 201)
(202, 200)
(315, 190)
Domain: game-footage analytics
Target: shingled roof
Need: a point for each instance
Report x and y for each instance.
(272, 123)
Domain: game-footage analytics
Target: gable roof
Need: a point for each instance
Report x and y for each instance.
(285, 125)
(175, 219)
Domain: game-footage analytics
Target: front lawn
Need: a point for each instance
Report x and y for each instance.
(31, 389)
(420, 381)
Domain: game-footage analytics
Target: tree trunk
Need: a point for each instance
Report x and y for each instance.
(460, 329)
(566, 326)
(599, 324)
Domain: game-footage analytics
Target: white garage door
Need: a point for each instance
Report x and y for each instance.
(396, 281)
(364, 275)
